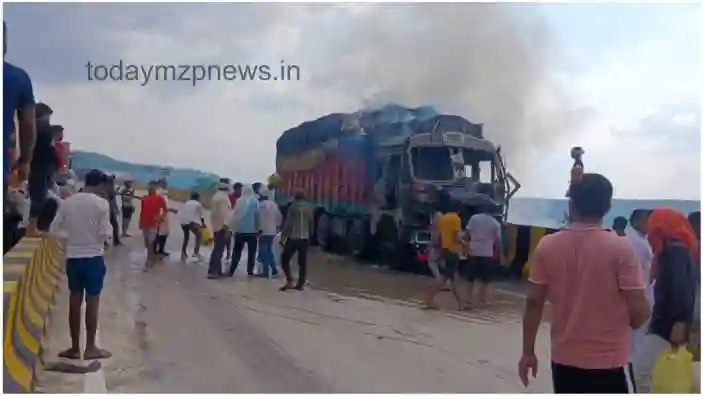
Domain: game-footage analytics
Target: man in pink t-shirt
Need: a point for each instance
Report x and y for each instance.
(594, 284)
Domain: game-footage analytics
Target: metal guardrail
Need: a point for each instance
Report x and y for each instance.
(31, 271)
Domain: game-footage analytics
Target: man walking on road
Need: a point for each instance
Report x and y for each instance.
(220, 209)
(127, 194)
(192, 219)
(593, 313)
(449, 229)
(295, 238)
(233, 197)
(244, 222)
(270, 221)
(483, 234)
(83, 221)
(153, 211)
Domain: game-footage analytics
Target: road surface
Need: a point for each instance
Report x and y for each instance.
(356, 329)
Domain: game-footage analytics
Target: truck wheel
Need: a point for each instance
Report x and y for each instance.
(358, 238)
(323, 232)
(337, 241)
(387, 237)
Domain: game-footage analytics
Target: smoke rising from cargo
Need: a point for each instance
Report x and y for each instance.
(490, 63)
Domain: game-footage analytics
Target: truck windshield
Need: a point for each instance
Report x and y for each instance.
(432, 163)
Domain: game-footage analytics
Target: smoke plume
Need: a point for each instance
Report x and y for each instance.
(491, 63)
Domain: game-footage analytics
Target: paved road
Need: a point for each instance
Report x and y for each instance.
(358, 329)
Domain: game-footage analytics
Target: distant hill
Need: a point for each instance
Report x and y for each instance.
(177, 177)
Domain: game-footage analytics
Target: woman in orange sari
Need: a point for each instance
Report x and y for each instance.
(675, 248)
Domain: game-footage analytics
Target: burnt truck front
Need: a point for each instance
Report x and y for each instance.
(483, 181)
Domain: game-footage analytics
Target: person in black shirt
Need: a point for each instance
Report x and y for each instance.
(42, 167)
(675, 247)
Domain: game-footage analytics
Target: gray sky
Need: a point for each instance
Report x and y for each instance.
(622, 81)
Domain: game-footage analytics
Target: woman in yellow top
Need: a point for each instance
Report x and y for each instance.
(449, 230)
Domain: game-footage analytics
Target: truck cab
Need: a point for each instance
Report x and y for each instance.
(426, 163)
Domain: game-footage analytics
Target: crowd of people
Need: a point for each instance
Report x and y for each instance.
(619, 297)
(248, 217)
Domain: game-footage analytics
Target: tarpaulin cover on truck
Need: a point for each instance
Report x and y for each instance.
(304, 146)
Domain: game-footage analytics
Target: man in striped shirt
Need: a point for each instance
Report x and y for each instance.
(295, 238)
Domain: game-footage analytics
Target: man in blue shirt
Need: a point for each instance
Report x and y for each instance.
(18, 97)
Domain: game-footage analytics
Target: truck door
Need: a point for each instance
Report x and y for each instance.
(510, 183)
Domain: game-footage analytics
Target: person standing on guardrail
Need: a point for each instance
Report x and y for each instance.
(592, 314)
(153, 210)
(219, 212)
(42, 168)
(18, 99)
(83, 221)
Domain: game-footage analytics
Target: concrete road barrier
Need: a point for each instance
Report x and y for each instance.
(31, 272)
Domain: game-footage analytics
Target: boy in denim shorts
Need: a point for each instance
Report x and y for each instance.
(83, 221)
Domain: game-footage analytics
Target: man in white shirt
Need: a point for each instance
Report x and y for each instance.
(637, 235)
(192, 219)
(483, 234)
(83, 221)
(220, 209)
(270, 219)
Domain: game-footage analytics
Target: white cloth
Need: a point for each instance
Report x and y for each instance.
(191, 212)
(484, 231)
(643, 251)
(270, 218)
(643, 363)
(220, 208)
(241, 207)
(83, 220)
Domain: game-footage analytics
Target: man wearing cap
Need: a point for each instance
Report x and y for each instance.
(43, 165)
(219, 212)
(18, 98)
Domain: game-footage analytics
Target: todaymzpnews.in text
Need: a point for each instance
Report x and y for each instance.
(145, 74)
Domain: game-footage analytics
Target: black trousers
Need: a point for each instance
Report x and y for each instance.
(38, 183)
(568, 379)
(291, 247)
(160, 243)
(189, 228)
(251, 240)
(219, 240)
(47, 214)
(115, 228)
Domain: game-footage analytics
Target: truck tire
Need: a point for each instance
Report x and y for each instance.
(337, 241)
(358, 238)
(387, 240)
(322, 232)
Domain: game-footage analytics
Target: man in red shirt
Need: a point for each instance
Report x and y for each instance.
(153, 210)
